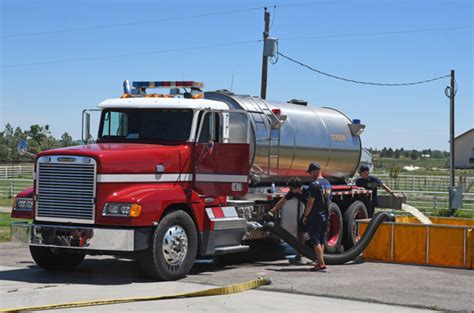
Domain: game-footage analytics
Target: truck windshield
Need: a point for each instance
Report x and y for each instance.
(145, 124)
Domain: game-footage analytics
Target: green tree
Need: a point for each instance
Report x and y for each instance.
(66, 140)
(50, 143)
(38, 133)
(390, 153)
(414, 155)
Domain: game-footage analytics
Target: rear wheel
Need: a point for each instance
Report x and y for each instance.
(173, 248)
(54, 259)
(356, 211)
(334, 231)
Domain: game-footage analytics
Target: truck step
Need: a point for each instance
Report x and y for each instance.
(231, 249)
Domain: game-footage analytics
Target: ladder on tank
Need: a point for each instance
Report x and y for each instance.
(274, 136)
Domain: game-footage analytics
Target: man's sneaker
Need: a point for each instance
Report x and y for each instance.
(318, 267)
(296, 260)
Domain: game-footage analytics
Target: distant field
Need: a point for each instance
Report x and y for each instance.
(438, 167)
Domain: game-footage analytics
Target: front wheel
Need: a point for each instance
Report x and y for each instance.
(55, 259)
(173, 248)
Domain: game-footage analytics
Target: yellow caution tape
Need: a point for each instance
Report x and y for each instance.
(218, 291)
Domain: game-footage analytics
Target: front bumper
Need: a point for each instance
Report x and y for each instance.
(79, 237)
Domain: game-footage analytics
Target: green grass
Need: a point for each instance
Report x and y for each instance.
(5, 221)
(7, 202)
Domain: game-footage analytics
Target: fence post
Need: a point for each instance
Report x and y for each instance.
(10, 189)
(435, 202)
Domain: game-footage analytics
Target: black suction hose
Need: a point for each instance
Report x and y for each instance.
(331, 259)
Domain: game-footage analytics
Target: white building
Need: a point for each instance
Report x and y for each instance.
(464, 150)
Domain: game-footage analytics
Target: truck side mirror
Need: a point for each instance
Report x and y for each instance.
(86, 120)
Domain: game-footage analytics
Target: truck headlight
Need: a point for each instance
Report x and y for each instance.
(122, 209)
(25, 204)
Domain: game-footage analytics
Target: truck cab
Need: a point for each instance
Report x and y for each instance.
(153, 186)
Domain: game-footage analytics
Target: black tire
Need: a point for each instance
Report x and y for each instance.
(56, 259)
(161, 266)
(333, 240)
(356, 210)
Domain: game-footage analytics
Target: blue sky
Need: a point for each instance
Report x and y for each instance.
(409, 117)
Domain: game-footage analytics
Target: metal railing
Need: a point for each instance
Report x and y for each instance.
(16, 171)
(426, 182)
(431, 202)
(10, 187)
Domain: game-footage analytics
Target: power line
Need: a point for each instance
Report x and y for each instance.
(378, 33)
(305, 4)
(362, 82)
(131, 54)
(88, 28)
(132, 23)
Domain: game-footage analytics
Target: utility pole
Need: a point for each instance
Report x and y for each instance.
(263, 89)
(451, 129)
(455, 193)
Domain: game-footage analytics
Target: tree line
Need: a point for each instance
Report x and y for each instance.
(38, 138)
(409, 153)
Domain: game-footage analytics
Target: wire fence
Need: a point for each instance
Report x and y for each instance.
(427, 182)
(10, 187)
(435, 202)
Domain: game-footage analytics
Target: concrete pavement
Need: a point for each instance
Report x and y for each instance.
(27, 292)
(363, 282)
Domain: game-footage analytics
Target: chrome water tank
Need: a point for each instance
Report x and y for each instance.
(309, 134)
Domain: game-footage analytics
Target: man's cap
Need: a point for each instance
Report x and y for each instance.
(363, 168)
(313, 167)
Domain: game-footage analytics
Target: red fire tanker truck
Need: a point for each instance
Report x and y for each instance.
(183, 175)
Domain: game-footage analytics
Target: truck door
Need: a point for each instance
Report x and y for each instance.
(221, 154)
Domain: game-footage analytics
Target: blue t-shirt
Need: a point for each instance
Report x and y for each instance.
(370, 183)
(320, 190)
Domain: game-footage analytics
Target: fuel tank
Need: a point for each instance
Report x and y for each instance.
(280, 150)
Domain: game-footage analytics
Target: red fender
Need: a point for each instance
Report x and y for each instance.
(154, 198)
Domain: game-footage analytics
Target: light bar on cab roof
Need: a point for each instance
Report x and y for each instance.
(165, 84)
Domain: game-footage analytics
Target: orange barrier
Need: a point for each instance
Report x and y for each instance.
(447, 242)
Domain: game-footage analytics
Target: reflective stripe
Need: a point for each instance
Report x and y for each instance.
(221, 212)
(222, 178)
(121, 178)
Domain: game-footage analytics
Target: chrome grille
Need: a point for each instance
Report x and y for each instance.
(66, 189)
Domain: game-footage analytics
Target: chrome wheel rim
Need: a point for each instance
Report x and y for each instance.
(175, 245)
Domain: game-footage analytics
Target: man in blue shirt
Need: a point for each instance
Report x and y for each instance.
(370, 182)
(316, 213)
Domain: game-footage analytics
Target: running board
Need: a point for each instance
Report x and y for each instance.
(231, 249)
